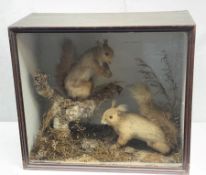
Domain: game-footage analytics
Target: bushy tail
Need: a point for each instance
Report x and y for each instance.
(147, 107)
(66, 61)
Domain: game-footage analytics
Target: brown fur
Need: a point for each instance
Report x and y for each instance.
(94, 62)
(151, 111)
(66, 61)
(133, 126)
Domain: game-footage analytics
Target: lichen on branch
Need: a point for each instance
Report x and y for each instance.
(67, 109)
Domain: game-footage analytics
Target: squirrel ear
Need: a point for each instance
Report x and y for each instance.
(122, 108)
(105, 42)
(114, 103)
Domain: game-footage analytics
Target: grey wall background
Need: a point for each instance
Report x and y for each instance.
(42, 52)
(12, 10)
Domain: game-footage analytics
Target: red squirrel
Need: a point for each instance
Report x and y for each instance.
(78, 76)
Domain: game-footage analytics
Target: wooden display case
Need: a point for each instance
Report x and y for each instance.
(163, 42)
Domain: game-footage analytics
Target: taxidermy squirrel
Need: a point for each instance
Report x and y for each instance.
(78, 76)
(147, 107)
(133, 126)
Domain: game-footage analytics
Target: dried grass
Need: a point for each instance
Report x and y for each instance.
(59, 145)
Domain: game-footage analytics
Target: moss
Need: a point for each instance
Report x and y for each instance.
(86, 144)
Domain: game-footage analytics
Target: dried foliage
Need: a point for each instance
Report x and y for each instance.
(150, 77)
(93, 144)
(55, 145)
(169, 78)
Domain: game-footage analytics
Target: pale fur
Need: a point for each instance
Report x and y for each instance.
(94, 62)
(133, 126)
(151, 111)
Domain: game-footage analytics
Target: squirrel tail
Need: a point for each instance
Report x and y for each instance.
(67, 59)
(141, 93)
(143, 96)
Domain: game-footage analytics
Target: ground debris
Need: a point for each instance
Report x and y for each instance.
(60, 145)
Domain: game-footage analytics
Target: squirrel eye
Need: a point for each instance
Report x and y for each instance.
(106, 53)
(110, 117)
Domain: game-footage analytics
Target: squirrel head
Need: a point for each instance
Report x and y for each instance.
(104, 52)
(112, 115)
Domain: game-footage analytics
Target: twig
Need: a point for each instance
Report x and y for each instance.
(151, 78)
(67, 109)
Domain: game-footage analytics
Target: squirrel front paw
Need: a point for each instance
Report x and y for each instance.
(106, 70)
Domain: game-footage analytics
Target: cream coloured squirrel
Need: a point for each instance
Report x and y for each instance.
(147, 107)
(78, 82)
(133, 126)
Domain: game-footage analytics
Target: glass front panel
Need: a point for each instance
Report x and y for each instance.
(104, 98)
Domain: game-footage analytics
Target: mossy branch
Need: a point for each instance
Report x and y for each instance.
(67, 109)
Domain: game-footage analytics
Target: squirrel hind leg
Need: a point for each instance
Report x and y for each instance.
(122, 140)
(82, 90)
(160, 147)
